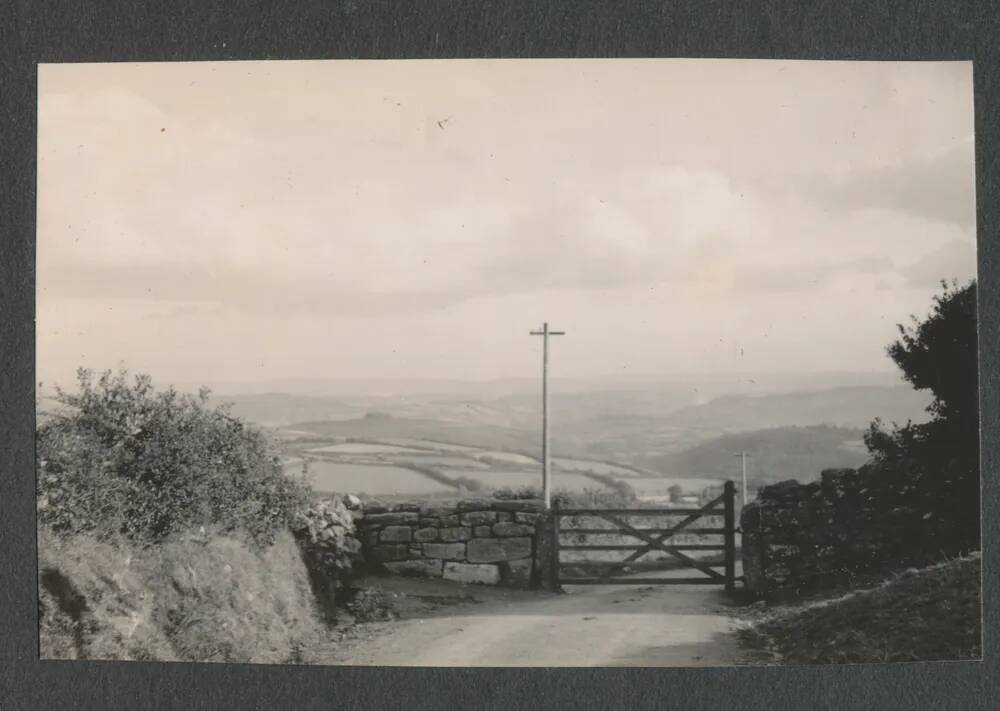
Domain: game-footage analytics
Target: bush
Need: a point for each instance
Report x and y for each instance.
(119, 458)
(932, 469)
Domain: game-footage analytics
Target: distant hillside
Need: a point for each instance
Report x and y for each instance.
(847, 407)
(383, 426)
(272, 409)
(774, 454)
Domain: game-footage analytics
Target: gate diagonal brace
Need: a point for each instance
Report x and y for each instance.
(657, 542)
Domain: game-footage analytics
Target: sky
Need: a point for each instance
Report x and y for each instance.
(250, 221)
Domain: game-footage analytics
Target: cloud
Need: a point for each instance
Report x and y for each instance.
(940, 186)
(955, 260)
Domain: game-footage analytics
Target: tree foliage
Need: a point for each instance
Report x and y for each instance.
(933, 467)
(120, 458)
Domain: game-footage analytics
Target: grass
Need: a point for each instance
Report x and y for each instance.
(193, 598)
(931, 614)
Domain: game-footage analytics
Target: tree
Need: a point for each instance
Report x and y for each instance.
(121, 459)
(675, 492)
(934, 467)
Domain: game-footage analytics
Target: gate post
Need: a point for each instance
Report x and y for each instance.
(730, 526)
(554, 550)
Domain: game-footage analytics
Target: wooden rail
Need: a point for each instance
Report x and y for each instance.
(650, 540)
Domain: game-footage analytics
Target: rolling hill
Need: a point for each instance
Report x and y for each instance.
(775, 454)
(845, 406)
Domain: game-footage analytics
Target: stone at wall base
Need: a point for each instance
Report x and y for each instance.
(451, 551)
(472, 573)
(493, 550)
(417, 568)
(516, 573)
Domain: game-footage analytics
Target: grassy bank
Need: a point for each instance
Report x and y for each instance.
(192, 598)
(922, 615)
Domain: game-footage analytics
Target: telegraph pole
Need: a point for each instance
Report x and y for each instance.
(743, 461)
(546, 475)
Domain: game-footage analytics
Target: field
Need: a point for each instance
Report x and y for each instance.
(412, 466)
(371, 479)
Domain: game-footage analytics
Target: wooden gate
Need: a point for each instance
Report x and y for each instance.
(650, 539)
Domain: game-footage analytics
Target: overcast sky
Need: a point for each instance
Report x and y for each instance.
(385, 219)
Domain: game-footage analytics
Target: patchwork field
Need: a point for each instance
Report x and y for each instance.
(411, 466)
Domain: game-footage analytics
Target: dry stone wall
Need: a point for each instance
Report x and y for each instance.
(487, 541)
(798, 538)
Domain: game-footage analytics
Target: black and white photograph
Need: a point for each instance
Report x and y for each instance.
(507, 362)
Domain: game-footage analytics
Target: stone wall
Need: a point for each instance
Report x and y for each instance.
(487, 541)
(798, 538)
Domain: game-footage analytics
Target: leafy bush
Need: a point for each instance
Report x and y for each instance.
(932, 469)
(120, 459)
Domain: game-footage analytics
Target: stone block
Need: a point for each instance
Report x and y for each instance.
(407, 507)
(395, 534)
(507, 530)
(447, 551)
(428, 522)
(473, 505)
(423, 535)
(472, 573)
(459, 533)
(395, 551)
(478, 518)
(492, 550)
(505, 516)
(522, 517)
(530, 505)
(516, 573)
(418, 568)
(482, 531)
(391, 519)
(450, 520)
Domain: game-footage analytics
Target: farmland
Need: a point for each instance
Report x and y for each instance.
(417, 467)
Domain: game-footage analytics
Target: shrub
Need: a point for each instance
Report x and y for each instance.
(119, 458)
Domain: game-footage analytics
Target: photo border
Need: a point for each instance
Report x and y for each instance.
(46, 31)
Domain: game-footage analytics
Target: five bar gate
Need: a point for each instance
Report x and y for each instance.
(651, 539)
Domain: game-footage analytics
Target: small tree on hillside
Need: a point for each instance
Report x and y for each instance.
(934, 467)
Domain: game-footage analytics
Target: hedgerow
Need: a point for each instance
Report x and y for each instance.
(119, 458)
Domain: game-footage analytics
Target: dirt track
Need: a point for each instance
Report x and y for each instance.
(588, 626)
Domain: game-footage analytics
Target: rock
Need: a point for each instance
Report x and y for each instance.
(478, 518)
(491, 550)
(512, 529)
(451, 520)
(396, 534)
(526, 517)
(460, 533)
(505, 516)
(397, 551)
(375, 507)
(408, 507)
(390, 518)
(418, 568)
(482, 531)
(516, 573)
(429, 522)
(352, 502)
(448, 551)
(470, 573)
(423, 535)
(473, 505)
(532, 505)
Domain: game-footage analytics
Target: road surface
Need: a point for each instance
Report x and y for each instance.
(662, 626)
